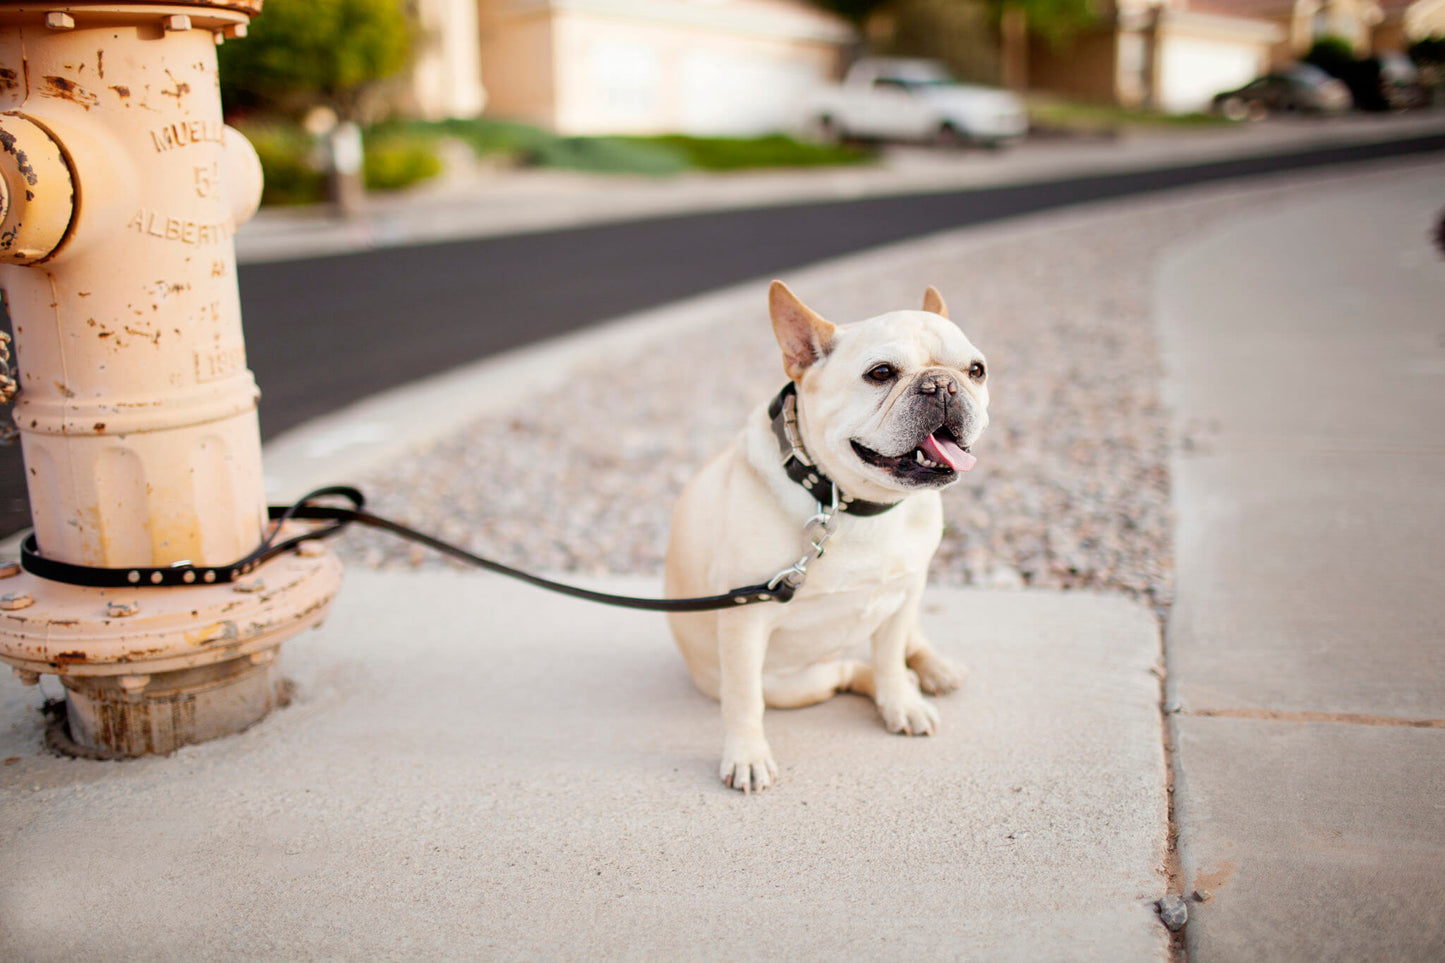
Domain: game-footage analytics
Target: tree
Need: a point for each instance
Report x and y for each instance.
(1054, 20)
(921, 25)
(300, 54)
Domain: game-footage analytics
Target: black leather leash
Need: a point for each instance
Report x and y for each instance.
(780, 588)
(338, 518)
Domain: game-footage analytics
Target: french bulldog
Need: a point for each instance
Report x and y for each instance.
(877, 417)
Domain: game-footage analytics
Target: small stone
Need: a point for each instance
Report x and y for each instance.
(1174, 912)
(1202, 896)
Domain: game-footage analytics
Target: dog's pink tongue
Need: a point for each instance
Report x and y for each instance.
(941, 448)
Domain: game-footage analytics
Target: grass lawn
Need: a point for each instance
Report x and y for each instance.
(400, 154)
(1061, 115)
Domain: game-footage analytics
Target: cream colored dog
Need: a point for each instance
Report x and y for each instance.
(885, 410)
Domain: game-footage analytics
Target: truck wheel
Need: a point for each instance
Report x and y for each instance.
(825, 131)
(1237, 108)
(949, 137)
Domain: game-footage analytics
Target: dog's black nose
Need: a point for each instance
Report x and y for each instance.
(932, 384)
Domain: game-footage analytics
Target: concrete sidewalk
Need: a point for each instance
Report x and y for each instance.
(1306, 648)
(477, 770)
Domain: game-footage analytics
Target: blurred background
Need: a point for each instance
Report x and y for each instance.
(446, 180)
(393, 93)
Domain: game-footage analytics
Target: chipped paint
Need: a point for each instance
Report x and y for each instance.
(178, 91)
(213, 633)
(22, 162)
(61, 87)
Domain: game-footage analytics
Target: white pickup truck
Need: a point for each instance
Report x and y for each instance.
(915, 100)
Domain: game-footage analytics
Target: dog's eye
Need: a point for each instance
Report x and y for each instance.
(881, 373)
(975, 371)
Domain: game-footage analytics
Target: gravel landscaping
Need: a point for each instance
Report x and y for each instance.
(1072, 484)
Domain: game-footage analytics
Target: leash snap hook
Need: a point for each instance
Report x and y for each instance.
(793, 575)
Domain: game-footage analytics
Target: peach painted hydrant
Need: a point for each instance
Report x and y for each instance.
(120, 190)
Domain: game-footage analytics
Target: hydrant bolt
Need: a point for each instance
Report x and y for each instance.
(14, 601)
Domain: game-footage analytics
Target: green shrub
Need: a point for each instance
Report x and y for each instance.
(287, 154)
(1334, 55)
(491, 137)
(1428, 50)
(394, 161)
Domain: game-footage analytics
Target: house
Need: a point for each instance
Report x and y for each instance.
(1176, 54)
(445, 79)
(1164, 56)
(1371, 26)
(655, 66)
(1402, 22)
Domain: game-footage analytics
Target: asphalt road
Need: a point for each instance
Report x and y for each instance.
(324, 332)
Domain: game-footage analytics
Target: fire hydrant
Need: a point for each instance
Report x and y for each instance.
(120, 190)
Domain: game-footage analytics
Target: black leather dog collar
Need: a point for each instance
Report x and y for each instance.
(800, 468)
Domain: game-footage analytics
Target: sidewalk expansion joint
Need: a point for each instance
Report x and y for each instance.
(1345, 718)
(1173, 863)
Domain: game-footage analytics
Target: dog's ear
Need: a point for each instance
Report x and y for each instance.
(805, 337)
(933, 301)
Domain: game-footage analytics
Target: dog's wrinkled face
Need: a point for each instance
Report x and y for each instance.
(889, 405)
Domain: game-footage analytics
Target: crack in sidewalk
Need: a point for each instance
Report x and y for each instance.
(1345, 718)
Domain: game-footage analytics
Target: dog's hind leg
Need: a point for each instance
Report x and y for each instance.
(936, 675)
(817, 683)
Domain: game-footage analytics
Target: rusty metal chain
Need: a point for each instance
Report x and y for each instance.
(9, 386)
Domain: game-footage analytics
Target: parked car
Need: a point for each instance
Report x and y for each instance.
(1400, 84)
(1302, 88)
(915, 100)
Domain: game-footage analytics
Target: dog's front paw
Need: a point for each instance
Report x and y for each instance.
(747, 764)
(909, 714)
(936, 675)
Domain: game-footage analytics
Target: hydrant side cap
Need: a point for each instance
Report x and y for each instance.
(40, 193)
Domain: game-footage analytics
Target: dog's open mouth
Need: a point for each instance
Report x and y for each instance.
(938, 456)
